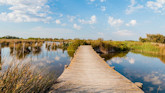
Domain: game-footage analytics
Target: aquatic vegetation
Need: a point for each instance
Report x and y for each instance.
(71, 53)
(99, 45)
(75, 44)
(108, 46)
(22, 49)
(146, 47)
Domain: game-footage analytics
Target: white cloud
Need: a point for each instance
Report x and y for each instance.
(134, 6)
(157, 6)
(131, 23)
(102, 0)
(25, 11)
(91, 21)
(114, 22)
(58, 21)
(71, 18)
(92, 0)
(76, 26)
(103, 8)
(124, 33)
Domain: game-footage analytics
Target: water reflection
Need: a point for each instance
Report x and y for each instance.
(42, 59)
(161, 57)
(111, 55)
(140, 67)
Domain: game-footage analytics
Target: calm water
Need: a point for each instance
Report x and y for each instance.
(46, 60)
(138, 67)
(145, 68)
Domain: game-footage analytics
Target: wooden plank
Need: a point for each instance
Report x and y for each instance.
(88, 72)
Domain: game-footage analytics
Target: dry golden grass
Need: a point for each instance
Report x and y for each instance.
(21, 79)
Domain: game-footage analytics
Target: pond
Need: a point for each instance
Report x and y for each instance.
(47, 61)
(148, 69)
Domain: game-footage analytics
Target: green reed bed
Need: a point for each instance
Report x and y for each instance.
(145, 47)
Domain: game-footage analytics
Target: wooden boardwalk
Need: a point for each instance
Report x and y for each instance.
(88, 73)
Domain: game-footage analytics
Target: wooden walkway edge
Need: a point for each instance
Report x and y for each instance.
(89, 73)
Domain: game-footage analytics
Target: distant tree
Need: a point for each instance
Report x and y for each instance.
(77, 39)
(100, 39)
(61, 39)
(10, 37)
(56, 39)
(142, 39)
(157, 38)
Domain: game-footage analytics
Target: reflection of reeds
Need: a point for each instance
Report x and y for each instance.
(52, 46)
(23, 49)
(20, 78)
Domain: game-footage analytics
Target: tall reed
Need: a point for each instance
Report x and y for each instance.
(20, 78)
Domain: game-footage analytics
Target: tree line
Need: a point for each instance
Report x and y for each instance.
(10, 37)
(157, 38)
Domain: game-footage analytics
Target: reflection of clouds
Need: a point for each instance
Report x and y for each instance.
(57, 58)
(117, 60)
(63, 55)
(151, 89)
(47, 62)
(109, 62)
(155, 77)
(130, 60)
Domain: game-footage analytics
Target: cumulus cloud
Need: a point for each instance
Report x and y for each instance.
(58, 21)
(92, 0)
(25, 11)
(124, 33)
(134, 6)
(157, 6)
(71, 18)
(102, 0)
(114, 22)
(76, 26)
(91, 21)
(103, 8)
(131, 23)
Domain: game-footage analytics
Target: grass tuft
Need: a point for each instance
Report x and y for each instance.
(20, 78)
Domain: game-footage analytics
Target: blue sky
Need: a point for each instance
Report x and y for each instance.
(85, 19)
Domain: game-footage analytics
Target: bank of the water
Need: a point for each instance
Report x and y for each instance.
(48, 65)
(148, 70)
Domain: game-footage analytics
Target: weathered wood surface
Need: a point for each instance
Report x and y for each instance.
(89, 73)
